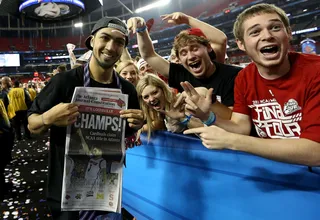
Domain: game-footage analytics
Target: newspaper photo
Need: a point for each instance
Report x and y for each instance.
(95, 151)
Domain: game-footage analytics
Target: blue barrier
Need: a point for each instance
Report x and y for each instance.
(176, 177)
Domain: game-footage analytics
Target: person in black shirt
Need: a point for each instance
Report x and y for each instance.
(7, 141)
(193, 50)
(222, 81)
(52, 107)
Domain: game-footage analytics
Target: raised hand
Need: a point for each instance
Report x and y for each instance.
(134, 23)
(176, 110)
(176, 18)
(198, 105)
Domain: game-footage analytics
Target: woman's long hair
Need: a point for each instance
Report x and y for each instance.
(149, 113)
(123, 64)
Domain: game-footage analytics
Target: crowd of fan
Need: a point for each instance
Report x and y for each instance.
(193, 92)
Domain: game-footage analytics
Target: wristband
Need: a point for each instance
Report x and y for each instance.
(211, 120)
(42, 119)
(186, 120)
(142, 29)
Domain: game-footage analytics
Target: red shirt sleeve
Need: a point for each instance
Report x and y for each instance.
(310, 124)
(240, 103)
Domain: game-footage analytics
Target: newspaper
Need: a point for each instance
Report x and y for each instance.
(95, 152)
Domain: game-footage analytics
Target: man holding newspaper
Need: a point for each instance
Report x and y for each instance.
(52, 108)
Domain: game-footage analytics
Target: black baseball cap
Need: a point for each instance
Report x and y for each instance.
(108, 22)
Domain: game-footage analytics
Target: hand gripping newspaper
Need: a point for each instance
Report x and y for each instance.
(95, 152)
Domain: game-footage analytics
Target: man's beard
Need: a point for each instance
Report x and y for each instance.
(105, 65)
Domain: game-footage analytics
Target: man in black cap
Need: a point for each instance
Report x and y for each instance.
(52, 107)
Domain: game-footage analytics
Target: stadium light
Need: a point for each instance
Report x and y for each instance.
(153, 5)
(78, 25)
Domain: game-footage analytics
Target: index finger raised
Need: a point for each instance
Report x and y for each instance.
(179, 101)
(185, 88)
(192, 90)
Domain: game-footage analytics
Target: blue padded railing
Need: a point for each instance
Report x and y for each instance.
(176, 177)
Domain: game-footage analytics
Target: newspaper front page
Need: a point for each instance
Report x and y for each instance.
(95, 152)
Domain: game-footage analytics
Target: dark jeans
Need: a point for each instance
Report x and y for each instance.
(18, 120)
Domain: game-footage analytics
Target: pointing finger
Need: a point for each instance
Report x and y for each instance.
(195, 130)
(179, 101)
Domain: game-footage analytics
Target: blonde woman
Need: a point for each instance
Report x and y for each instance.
(129, 71)
(161, 111)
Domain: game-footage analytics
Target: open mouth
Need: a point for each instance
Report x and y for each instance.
(269, 50)
(195, 66)
(155, 104)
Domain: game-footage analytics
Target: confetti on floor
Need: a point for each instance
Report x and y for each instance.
(27, 174)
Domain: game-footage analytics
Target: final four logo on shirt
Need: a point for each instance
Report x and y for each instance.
(275, 121)
(290, 107)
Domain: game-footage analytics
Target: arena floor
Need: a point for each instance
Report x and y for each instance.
(28, 174)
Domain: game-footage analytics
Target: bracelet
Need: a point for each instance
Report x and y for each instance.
(42, 119)
(211, 120)
(142, 29)
(186, 120)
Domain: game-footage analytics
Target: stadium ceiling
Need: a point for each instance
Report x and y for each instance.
(120, 7)
(13, 19)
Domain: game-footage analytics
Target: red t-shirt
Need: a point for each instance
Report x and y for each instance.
(287, 107)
